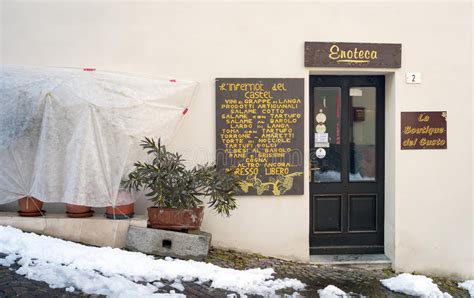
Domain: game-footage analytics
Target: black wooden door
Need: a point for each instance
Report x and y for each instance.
(347, 164)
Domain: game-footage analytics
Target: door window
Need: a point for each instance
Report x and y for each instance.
(327, 134)
(362, 156)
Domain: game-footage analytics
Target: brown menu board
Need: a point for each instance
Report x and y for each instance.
(260, 133)
(423, 130)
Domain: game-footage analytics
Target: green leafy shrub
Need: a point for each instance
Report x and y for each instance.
(171, 185)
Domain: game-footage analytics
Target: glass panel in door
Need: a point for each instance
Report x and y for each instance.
(327, 134)
(362, 137)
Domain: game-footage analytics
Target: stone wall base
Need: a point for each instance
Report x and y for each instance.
(96, 230)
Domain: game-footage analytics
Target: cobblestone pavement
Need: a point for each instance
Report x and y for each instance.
(358, 280)
(14, 285)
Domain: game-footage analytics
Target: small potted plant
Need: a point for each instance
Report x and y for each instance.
(121, 211)
(78, 211)
(177, 191)
(30, 206)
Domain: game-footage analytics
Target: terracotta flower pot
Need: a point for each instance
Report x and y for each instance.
(120, 212)
(78, 211)
(30, 206)
(175, 219)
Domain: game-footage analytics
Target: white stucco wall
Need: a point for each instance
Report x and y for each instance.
(429, 210)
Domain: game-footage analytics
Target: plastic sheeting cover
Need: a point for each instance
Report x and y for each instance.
(68, 135)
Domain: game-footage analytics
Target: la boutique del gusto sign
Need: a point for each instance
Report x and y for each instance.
(259, 133)
(423, 130)
(348, 54)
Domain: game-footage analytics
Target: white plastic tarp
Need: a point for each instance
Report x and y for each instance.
(69, 135)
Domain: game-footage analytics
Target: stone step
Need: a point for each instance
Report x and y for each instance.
(375, 260)
(193, 245)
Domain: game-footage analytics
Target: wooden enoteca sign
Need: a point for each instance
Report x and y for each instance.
(260, 133)
(347, 54)
(423, 130)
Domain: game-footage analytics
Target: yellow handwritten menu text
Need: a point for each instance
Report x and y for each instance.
(424, 130)
(260, 133)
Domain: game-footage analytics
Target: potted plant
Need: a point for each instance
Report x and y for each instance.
(78, 211)
(120, 211)
(123, 211)
(30, 206)
(177, 191)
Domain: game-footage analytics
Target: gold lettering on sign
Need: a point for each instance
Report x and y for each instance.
(423, 118)
(259, 124)
(423, 130)
(352, 56)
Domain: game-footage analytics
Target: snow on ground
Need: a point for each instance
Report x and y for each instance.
(469, 286)
(119, 273)
(416, 285)
(332, 292)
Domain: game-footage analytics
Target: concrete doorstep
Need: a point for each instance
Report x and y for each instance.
(370, 260)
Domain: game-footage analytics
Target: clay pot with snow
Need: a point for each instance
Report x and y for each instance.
(78, 211)
(30, 206)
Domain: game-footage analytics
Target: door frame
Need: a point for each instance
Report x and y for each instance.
(380, 165)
